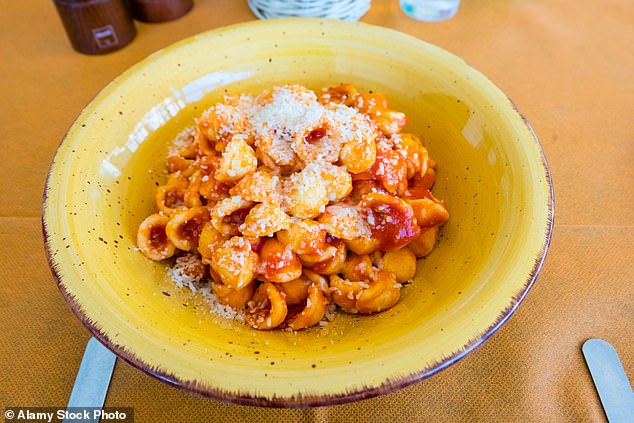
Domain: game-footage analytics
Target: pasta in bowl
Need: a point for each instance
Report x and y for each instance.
(288, 203)
(149, 158)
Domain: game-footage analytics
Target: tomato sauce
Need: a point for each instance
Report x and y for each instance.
(391, 220)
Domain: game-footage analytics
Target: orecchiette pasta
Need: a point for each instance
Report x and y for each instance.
(294, 201)
(295, 292)
(427, 209)
(401, 263)
(306, 192)
(344, 221)
(220, 123)
(265, 220)
(235, 262)
(184, 146)
(238, 159)
(319, 144)
(267, 308)
(359, 150)
(334, 264)
(185, 226)
(260, 186)
(152, 238)
(222, 212)
(382, 293)
(171, 197)
(209, 240)
(236, 298)
(312, 312)
(424, 243)
(391, 220)
(278, 262)
(304, 237)
(345, 293)
(357, 267)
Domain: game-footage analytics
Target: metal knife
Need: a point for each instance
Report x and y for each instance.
(610, 380)
(93, 378)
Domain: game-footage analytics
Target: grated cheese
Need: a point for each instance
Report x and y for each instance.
(183, 140)
(188, 271)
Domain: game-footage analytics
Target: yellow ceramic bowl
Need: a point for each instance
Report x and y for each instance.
(491, 173)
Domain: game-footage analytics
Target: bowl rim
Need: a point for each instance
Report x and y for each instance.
(299, 400)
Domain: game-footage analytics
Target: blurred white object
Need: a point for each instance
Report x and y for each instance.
(350, 10)
(430, 10)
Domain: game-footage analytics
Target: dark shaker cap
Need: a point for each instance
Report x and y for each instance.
(160, 10)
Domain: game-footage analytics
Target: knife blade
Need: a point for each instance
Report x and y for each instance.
(610, 380)
(93, 377)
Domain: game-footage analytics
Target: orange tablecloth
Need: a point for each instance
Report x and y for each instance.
(569, 66)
